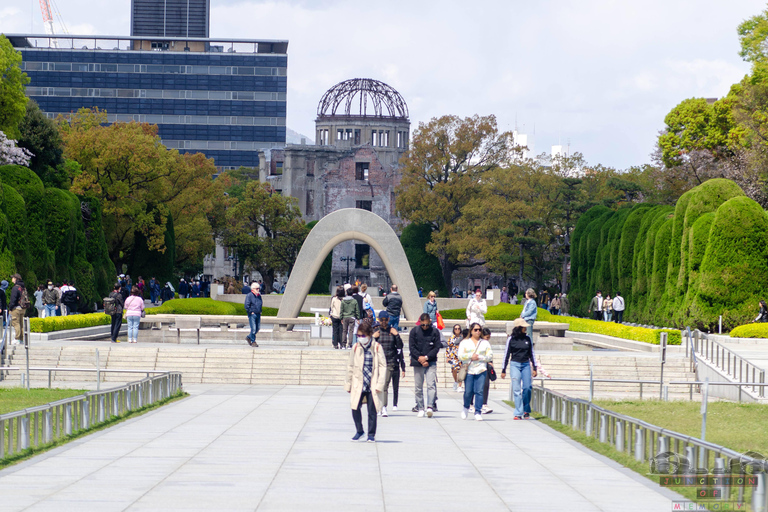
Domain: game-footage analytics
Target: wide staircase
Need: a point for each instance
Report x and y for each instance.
(323, 367)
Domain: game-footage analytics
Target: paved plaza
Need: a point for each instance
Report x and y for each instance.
(236, 447)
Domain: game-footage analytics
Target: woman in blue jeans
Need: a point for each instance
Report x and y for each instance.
(476, 353)
(519, 355)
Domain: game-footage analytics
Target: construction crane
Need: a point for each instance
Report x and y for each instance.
(45, 8)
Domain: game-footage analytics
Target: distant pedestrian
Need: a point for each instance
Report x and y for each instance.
(335, 313)
(393, 302)
(39, 301)
(424, 345)
(565, 305)
(18, 305)
(184, 289)
(152, 291)
(366, 374)
(522, 364)
(762, 316)
(596, 306)
(607, 308)
(530, 311)
(476, 309)
(504, 295)
(475, 352)
(253, 305)
(390, 341)
(66, 299)
(430, 307)
(134, 310)
(452, 355)
(140, 286)
(618, 308)
(116, 314)
(554, 305)
(514, 300)
(349, 315)
(246, 289)
(167, 293)
(6, 314)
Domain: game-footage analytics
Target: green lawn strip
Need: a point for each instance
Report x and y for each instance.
(207, 306)
(31, 452)
(739, 426)
(680, 417)
(16, 399)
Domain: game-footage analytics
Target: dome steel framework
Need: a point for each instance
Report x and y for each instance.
(362, 97)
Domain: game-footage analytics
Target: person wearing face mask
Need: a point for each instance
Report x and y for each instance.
(365, 379)
(424, 345)
(39, 301)
(51, 298)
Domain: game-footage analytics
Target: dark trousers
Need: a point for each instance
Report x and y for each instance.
(618, 316)
(395, 385)
(117, 322)
(357, 415)
(597, 315)
(486, 389)
(336, 331)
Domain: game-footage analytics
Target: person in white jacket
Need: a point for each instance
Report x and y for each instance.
(476, 309)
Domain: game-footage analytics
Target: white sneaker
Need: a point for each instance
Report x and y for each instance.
(460, 389)
(394, 407)
(384, 412)
(430, 412)
(478, 417)
(486, 410)
(455, 386)
(464, 413)
(420, 414)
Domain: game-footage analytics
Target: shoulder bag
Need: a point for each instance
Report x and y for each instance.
(465, 366)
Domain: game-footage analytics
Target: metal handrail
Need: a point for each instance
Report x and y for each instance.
(727, 361)
(97, 370)
(648, 442)
(43, 424)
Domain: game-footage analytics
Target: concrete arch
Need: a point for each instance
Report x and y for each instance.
(340, 226)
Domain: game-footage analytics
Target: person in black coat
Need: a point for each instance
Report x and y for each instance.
(519, 355)
(424, 345)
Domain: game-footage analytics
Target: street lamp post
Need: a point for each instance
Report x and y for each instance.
(347, 259)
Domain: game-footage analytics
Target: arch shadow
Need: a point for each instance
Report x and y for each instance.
(340, 226)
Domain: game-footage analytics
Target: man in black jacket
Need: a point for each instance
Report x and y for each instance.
(424, 345)
(117, 314)
(17, 307)
(394, 304)
(389, 339)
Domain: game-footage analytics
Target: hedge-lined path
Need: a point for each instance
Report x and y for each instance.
(288, 448)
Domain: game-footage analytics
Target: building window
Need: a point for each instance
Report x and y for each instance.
(364, 205)
(374, 138)
(357, 137)
(339, 134)
(362, 256)
(311, 167)
(361, 171)
(322, 137)
(385, 138)
(278, 169)
(310, 209)
(399, 139)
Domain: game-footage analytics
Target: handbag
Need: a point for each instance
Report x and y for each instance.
(491, 372)
(465, 366)
(440, 321)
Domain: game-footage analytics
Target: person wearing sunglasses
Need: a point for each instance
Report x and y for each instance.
(365, 379)
(476, 352)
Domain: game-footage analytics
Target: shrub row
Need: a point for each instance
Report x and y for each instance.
(750, 331)
(62, 323)
(207, 306)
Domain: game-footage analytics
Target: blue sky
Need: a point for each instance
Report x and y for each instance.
(600, 75)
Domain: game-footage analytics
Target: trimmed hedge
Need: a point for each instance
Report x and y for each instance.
(498, 312)
(208, 306)
(750, 331)
(62, 323)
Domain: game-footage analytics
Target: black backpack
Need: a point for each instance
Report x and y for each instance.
(69, 297)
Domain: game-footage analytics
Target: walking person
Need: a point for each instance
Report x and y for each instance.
(424, 345)
(168, 292)
(39, 301)
(50, 299)
(349, 315)
(554, 305)
(564, 305)
(486, 333)
(475, 352)
(116, 314)
(476, 309)
(335, 313)
(18, 306)
(596, 306)
(530, 310)
(522, 367)
(762, 316)
(134, 310)
(504, 295)
(430, 307)
(452, 355)
(618, 308)
(366, 374)
(607, 308)
(253, 305)
(65, 299)
(393, 302)
(390, 341)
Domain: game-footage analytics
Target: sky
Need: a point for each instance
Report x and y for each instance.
(596, 75)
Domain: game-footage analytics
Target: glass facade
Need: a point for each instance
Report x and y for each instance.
(226, 105)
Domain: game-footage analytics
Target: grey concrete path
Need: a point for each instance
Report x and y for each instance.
(264, 448)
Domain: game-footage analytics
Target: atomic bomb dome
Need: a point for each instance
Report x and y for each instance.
(363, 98)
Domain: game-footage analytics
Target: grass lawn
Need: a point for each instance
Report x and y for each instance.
(741, 427)
(16, 399)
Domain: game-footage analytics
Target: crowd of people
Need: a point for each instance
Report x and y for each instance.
(606, 308)
(377, 358)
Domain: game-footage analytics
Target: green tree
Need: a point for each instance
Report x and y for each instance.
(13, 101)
(424, 266)
(322, 283)
(41, 137)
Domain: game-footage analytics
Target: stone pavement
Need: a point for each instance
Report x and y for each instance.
(238, 447)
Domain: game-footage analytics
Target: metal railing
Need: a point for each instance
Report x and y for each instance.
(727, 361)
(650, 443)
(44, 424)
(98, 371)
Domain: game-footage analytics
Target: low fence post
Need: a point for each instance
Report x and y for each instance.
(603, 428)
(760, 494)
(719, 469)
(68, 419)
(24, 433)
(48, 426)
(639, 444)
(620, 436)
(589, 429)
(690, 455)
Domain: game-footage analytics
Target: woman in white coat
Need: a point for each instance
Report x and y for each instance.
(366, 376)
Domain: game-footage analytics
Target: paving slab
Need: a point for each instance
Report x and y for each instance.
(262, 448)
